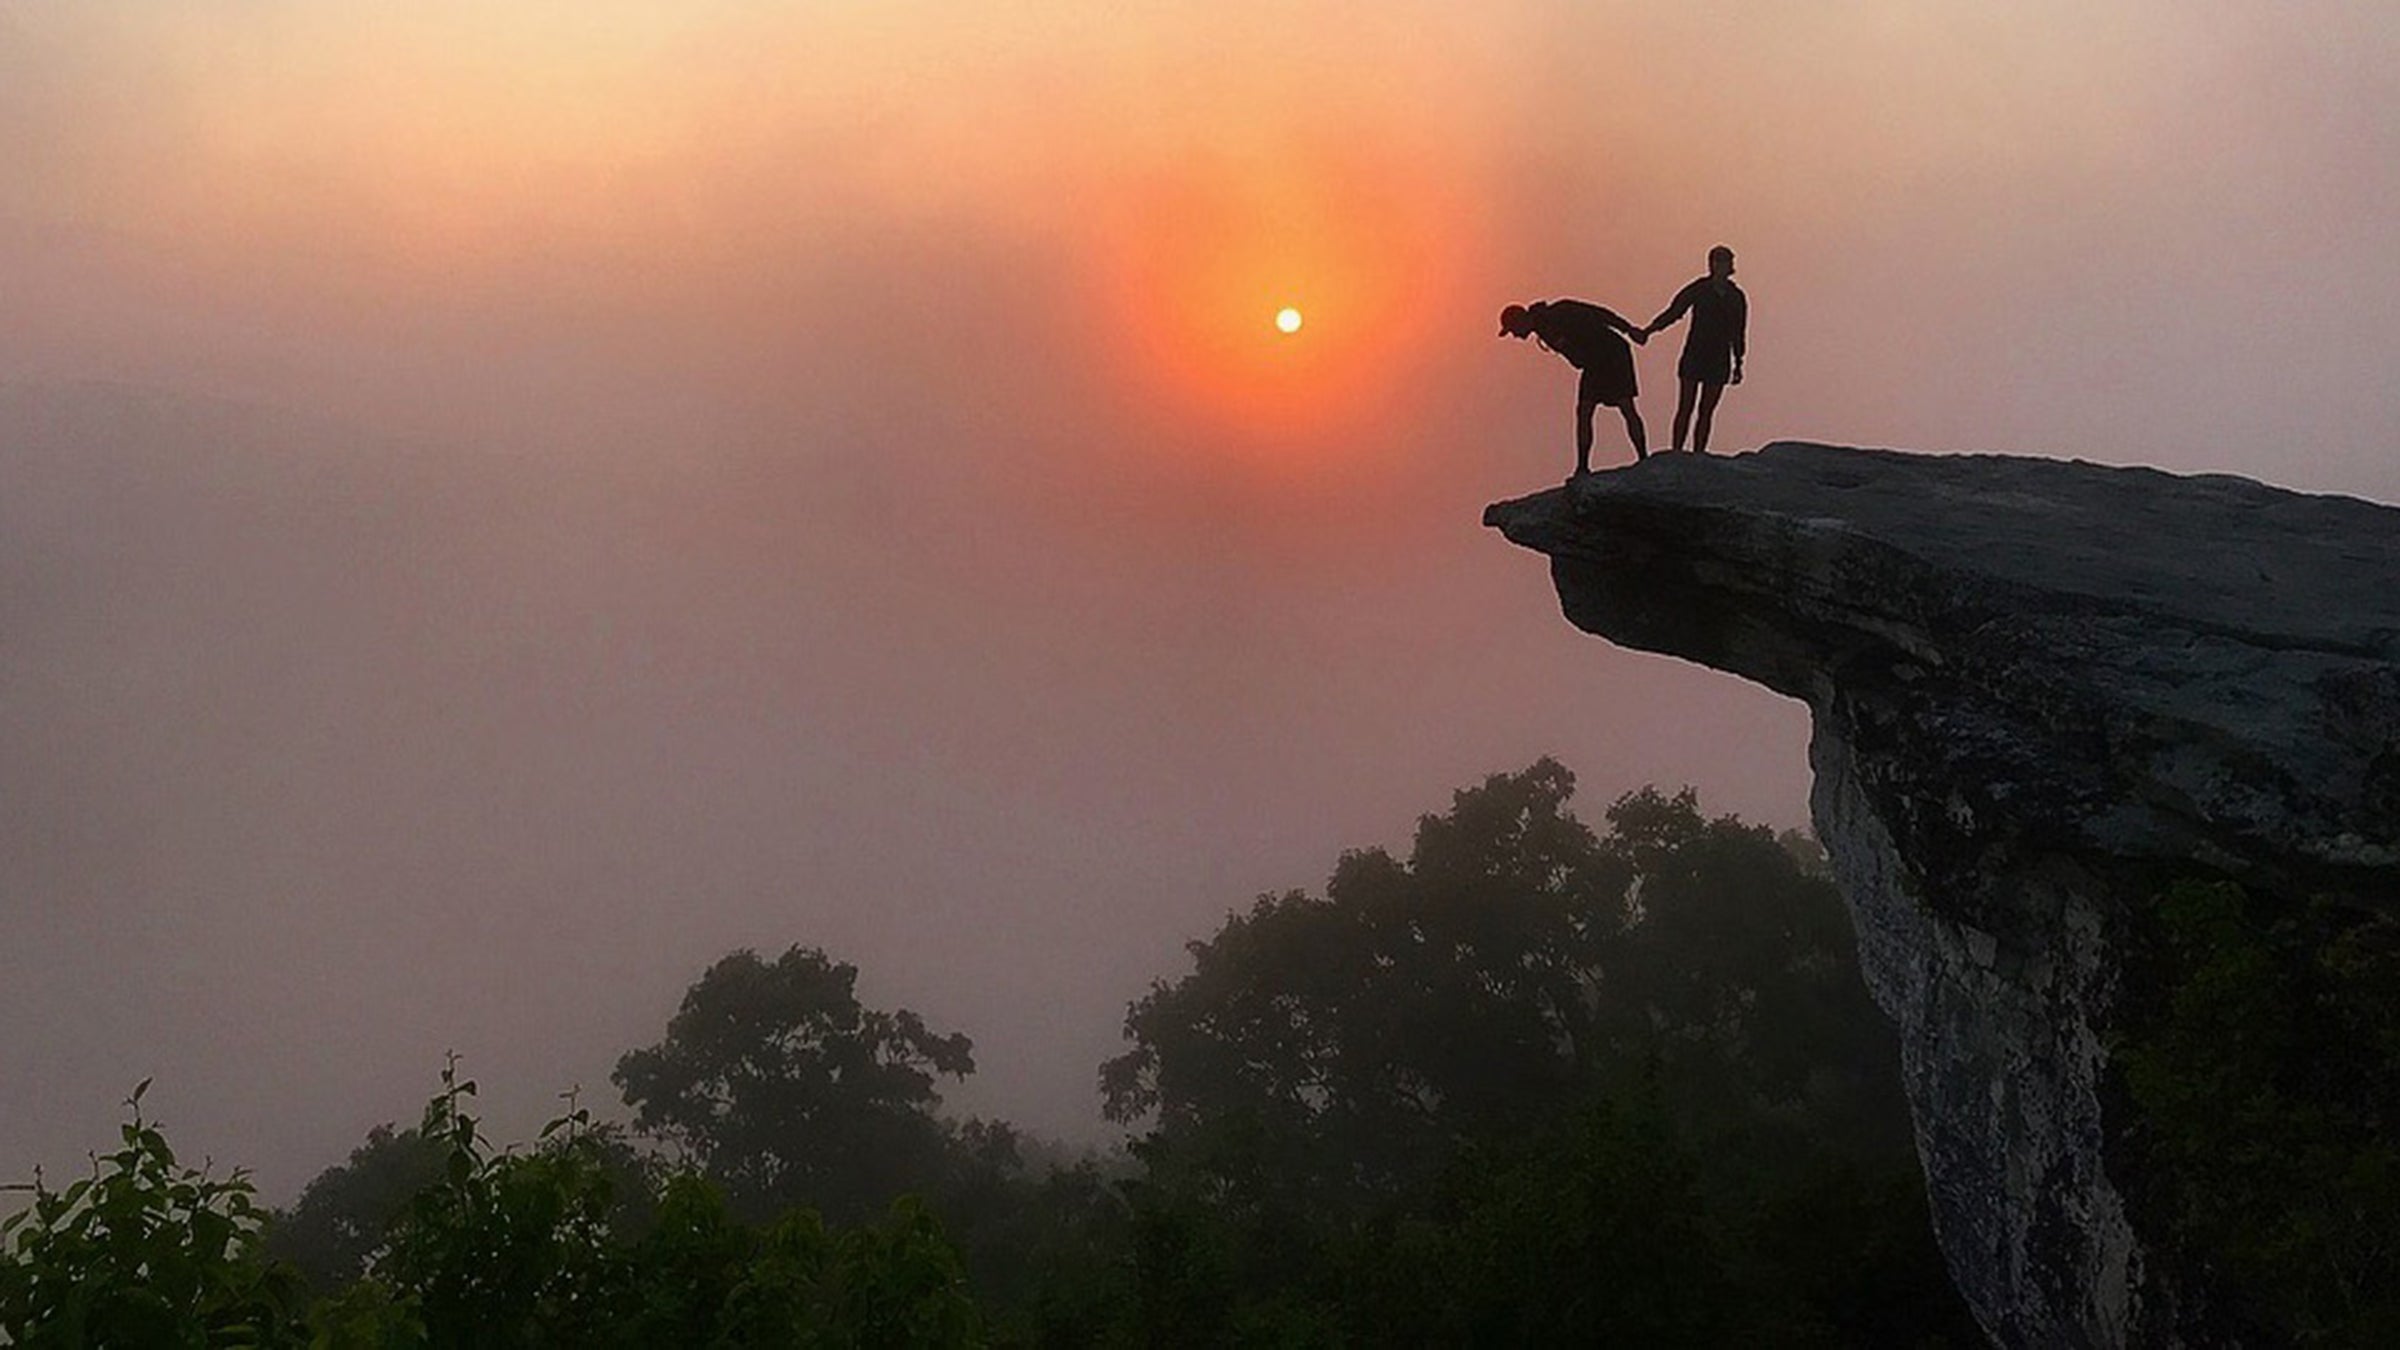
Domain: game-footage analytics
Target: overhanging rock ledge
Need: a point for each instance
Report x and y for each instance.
(2037, 688)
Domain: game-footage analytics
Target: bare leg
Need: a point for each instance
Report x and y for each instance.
(1709, 394)
(1583, 438)
(1683, 411)
(1633, 428)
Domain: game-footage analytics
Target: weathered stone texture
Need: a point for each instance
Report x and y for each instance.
(2037, 686)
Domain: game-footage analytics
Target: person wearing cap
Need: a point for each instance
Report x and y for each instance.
(1712, 346)
(1592, 340)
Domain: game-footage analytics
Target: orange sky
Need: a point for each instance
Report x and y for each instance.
(573, 487)
(1181, 171)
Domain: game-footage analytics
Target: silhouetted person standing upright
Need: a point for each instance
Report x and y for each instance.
(1588, 337)
(1712, 346)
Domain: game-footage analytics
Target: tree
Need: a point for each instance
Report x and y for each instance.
(344, 1215)
(1530, 1084)
(2265, 1086)
(510, 1248)
(1589, 1232)
(559, 1244)
(144, 1251)
(1416, 1004)
(341, 1226)
(778, 1083)
(1740, 978)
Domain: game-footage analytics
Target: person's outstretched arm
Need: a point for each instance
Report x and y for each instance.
(1675, 309)
(1622, 324)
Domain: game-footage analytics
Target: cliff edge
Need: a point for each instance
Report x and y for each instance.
(2039, 690)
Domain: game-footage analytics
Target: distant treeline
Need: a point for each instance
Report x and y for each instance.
(1531, 1084)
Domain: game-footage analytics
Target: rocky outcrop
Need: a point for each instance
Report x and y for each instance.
(2038, 687)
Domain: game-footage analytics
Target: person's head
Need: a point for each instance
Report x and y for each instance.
(1516, 321)
(1720, 262)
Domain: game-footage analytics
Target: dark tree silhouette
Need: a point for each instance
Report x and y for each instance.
(1417, 1003)
(786, 1090)
(1531, 1085)
(1739, 979)
(345, 1214)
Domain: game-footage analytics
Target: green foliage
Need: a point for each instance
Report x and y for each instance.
(1595, 1229)
(1376, 1115)
(367, 1315)
(1416, 1003)
(1738, 985)
(1529, 1085)
(897, 1283)
(779, 1083)
(544, 1248)
(565, 1245)
(1040, 1247)
(2267, 1088)
(143, 1252)
(1512, 965)
(523, 1248)
(1591, 1233)
(341, 1221)
(1586, 1232)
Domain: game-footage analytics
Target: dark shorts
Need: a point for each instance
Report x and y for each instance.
(1608, 380)
(1708, 365)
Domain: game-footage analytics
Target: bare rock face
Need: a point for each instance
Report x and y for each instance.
(2038, 687)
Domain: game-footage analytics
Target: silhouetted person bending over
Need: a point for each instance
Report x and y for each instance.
(1712, 346)
(1588, 337)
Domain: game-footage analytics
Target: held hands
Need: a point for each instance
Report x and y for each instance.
(1640, 336)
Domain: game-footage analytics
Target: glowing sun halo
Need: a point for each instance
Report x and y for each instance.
(1288, 319)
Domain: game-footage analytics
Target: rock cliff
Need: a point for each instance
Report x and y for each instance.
(2037, 688)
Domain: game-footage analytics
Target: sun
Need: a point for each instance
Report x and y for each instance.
(1288, 319)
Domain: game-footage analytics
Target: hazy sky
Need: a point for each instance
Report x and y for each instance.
(500, 505)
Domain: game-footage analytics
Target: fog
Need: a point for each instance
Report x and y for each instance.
(497, 512)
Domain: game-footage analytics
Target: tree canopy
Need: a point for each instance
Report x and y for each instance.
(788, 1091)
(1529, 1082)
(1514, 964)
(1415, 1003)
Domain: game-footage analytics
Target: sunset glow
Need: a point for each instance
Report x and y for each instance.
(982, 487)
(1195, 256)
